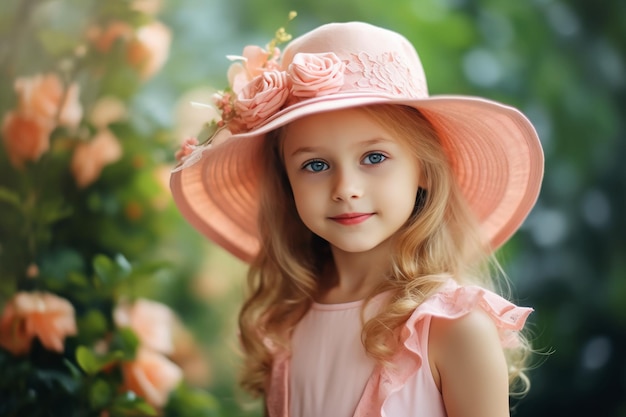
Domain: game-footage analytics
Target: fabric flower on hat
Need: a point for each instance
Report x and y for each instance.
(262, 97)
(314, 75)
(46, 316)
(254, 61)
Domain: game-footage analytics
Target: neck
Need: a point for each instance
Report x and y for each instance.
(356, 275)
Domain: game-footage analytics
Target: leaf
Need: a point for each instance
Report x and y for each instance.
(52, 211)
(92, 326)
(185, 401)
(122, 262)
(126, 341)
(104, 268)
(92, 363)
(129, 404)
(110, 271)
(10, 197)
(53, 379)
(100, 394)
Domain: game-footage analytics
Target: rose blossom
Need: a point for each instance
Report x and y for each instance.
(314, 75)
(43, 315)
(90, 158)
(45, 96)
(262, 97)
(151, 376)
(107, 110)
(151, 321)
(149, 48)
(149, 7)
(104, 39)
(26, 137)
(256, 60)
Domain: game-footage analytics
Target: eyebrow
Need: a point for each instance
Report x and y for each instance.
(363, 144)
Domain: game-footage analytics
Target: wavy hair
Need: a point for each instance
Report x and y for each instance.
(440, 240)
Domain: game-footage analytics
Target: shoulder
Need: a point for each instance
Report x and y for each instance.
(469, 365)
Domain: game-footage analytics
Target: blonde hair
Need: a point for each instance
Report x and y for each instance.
(440, 240)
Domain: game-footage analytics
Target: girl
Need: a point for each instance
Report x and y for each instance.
(369, 212)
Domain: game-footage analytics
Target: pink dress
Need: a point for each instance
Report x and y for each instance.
(329, 374)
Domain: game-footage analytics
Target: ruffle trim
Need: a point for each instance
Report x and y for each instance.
(452, 302)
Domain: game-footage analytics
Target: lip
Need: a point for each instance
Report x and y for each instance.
(349, 219)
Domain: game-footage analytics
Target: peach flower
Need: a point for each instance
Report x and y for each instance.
(262, 97)
(151, 376)
(38, 314)
(149, 7)
(91, 157)
(254, 61)
(26, 137)
(151, 321)
(44, 96)
(103, 39)
(107, 110)
(149, 48)
(189, 356)
(314, 75)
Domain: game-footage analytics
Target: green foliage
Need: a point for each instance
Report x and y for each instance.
(100, 243)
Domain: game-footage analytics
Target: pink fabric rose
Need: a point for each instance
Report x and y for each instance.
(262, 97)
(151, 376)
(26, 137)
(36, 314)
(151, 321)
(314, 75)
(254, 62)
(90, 158)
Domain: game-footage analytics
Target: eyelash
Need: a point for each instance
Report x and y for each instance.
(309, 164)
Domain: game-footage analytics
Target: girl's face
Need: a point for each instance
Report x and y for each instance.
(353, 182)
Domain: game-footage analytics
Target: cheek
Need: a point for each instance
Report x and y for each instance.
(302, 197)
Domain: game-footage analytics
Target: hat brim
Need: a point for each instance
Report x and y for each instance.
(493, 149)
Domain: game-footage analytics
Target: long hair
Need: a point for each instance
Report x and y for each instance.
(440, 240)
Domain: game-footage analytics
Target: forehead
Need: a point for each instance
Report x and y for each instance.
(335, 127)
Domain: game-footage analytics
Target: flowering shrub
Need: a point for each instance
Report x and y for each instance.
(81, 216)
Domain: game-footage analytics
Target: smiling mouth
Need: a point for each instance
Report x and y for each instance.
(351, 218)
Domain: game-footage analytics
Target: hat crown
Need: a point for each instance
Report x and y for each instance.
(375, 60)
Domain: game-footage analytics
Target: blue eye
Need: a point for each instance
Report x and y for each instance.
(315, 166)
(374, 158)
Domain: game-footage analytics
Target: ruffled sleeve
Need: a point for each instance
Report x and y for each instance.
(452, 302)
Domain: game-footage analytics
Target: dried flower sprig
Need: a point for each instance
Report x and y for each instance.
(252, 63)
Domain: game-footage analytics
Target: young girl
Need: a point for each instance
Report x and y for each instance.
(369, 212)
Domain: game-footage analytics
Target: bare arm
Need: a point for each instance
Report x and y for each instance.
(469, 366)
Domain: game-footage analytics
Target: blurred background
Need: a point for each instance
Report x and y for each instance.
(85, 211)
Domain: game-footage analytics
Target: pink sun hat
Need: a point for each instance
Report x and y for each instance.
(493, 149)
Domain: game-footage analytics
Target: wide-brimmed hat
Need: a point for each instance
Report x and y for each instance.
(493, 149)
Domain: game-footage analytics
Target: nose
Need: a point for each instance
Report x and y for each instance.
(348, 185)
